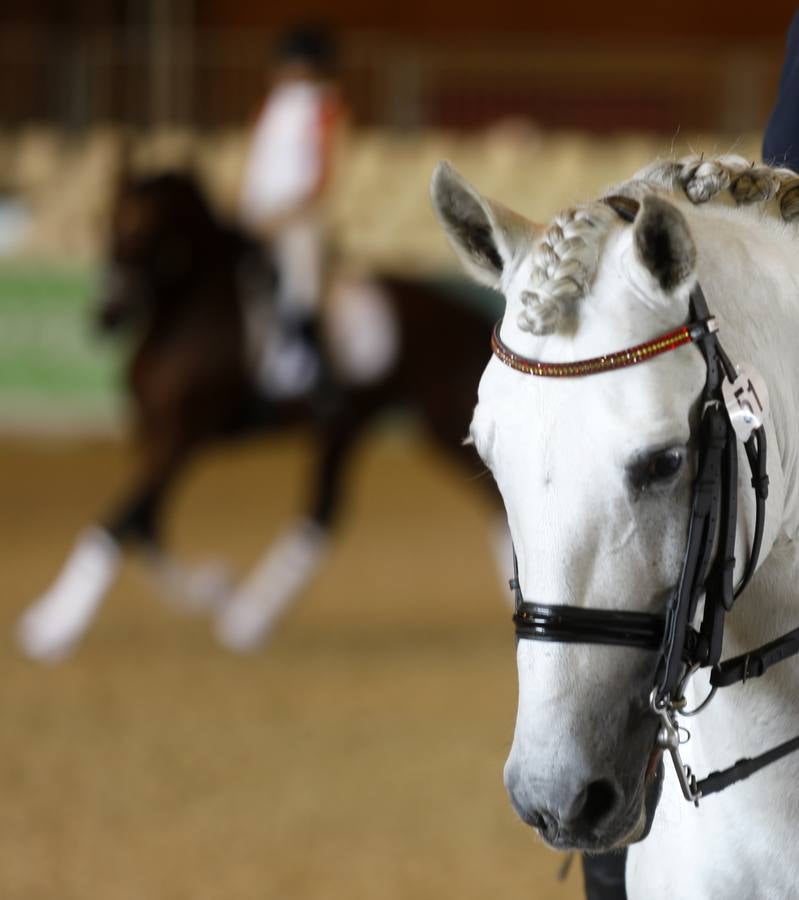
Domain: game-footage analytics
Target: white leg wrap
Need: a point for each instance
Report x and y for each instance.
(51, 626)
(196, 589)
(282, 573)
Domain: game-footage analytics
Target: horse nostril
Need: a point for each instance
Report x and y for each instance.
(543, 822)
(583, 812)
(535, 820)
(534, 816)
(599, 802)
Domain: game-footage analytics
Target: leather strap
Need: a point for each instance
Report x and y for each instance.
(754, 663)
(756, 454)
(701, 536)
(574, 625)
(718, 781)
(720, 593)
(608, 362)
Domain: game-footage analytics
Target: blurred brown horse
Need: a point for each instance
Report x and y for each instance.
(193, 290)
(190, 288)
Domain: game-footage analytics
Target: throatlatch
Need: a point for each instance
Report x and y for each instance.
(733, 408)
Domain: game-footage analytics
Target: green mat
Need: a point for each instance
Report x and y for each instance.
(54, 370)
(58, 372)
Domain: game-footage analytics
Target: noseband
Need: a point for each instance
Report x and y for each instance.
(732, 408)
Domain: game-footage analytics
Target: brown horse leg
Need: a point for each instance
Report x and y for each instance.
(137, 519)
(56, 621)
(290, 563)
(165, 451)
(336, 445)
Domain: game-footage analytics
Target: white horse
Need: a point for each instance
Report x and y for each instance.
(597, 475)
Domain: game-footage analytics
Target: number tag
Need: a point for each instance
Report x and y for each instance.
(746, 399)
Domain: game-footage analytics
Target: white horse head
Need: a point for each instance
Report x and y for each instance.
(597, 473)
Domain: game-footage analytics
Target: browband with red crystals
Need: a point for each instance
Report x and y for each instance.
(687, 334)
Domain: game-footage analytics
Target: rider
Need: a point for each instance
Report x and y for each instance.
(781, 140)
(287, 175)
(282, 200)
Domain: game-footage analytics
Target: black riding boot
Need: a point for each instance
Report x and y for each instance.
(326, 391)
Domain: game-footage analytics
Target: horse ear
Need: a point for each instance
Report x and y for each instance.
(485, 235)
(663, 243)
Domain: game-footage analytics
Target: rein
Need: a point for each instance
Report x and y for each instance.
(733, 409)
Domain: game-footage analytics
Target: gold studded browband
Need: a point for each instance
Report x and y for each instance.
(687, 334)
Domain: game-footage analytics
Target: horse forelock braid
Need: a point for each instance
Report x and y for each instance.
(564, 264)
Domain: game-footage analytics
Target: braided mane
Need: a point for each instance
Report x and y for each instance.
(567, 255)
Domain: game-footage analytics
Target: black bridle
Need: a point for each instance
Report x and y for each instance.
(708, 561)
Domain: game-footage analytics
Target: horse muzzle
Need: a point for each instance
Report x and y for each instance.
(588, 815)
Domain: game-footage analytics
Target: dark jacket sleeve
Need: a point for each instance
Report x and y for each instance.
(781, 141)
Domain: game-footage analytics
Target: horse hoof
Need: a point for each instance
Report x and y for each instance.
(43, 637)
(241, 628)
(207, 586)
(194, 589)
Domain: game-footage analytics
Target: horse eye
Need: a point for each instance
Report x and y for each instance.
(664, 465)
(657, 467)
